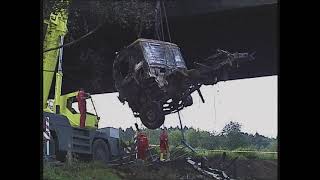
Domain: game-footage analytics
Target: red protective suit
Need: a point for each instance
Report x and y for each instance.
(143, 145)
(82, 105)
(164, 141)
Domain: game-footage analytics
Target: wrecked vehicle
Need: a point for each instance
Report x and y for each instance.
(152, 77)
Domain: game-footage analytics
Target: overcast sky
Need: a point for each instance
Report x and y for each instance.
(251, 102)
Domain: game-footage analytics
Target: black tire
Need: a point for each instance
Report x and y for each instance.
(100, 151)
(188, 101)
(152, 115)
(60, 155)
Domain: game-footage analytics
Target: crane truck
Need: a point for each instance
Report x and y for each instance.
(150, 75)
(62, 120)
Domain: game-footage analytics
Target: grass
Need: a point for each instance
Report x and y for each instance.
(79, 171)
(241, 154)
(94, 170)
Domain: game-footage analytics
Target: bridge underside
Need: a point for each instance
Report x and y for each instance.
(89, 64)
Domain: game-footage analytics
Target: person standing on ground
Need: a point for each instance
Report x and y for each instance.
(143, 145)
(82, 105)
(164, 145)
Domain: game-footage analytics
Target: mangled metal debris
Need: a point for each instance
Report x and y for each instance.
(153, 78)
(210, 172)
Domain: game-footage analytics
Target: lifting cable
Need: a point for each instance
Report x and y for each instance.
(214, 107)
(140, 25)
(94, 107)
(158, 22)
(167, 23)
(181, 128)
(161, 23)
(156, 28)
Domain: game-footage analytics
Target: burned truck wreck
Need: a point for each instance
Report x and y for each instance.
(153, 78)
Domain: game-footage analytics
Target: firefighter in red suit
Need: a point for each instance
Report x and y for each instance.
(82, 105)
(143, 145)
(164, 145)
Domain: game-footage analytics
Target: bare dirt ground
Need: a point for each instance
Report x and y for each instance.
(242, 169)
(249, 169)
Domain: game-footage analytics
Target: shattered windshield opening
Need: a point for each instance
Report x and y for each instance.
(178, 57)
(170, 59)
(157, 53)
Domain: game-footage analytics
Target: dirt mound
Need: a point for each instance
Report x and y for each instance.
(180, 169)
(158, 171)
(247, 168)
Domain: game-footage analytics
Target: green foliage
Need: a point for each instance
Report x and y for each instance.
(231, 128)
(240, 153)
(79, 171)
(127, 135)
(134, 14)
(175, 137)
(273, 145)
(126, 13)
(153, 135)
(193, 137)
(230, 138)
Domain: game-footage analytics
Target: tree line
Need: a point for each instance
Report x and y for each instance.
(230, 138)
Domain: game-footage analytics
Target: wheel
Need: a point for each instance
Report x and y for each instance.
(60, 155)
(152, 115)
(188, 101)
(100, 151)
